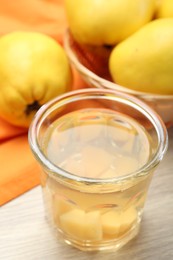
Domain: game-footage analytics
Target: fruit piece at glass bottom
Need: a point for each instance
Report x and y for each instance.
(81, 225)
(116, 223)
(60, 206)
(111, 222)
(128, 219)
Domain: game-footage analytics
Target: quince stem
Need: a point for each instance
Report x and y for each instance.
(32, 107)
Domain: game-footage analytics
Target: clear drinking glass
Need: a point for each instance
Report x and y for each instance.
(97, 150)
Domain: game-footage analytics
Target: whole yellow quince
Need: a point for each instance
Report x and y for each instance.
(144, 61)
(165, 9)
(107, 22)
(34, 68)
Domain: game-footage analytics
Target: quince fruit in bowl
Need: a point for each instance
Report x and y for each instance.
(140, 63)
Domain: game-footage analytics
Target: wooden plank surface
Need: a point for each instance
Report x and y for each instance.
(25, 234)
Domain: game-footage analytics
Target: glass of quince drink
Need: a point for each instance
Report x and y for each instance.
(98, 150)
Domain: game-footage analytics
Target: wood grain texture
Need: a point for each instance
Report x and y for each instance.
(25, 234)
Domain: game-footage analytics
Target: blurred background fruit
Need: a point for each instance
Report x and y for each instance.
(107, 22)
(143, 64)
(144, 61)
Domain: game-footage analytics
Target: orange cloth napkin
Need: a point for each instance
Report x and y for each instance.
(19, 169)
(46, 16)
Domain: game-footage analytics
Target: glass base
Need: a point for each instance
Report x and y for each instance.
(105, 245)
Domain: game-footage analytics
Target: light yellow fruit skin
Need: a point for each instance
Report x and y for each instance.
(107, 22)
(158, 3)
(33, 67)
(144, 61)
(165, 9)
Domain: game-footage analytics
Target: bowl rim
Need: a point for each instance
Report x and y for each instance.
(105, 83)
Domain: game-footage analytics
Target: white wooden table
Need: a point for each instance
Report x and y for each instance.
(25, 234)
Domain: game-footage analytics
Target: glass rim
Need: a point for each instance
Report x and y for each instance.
(72, 96)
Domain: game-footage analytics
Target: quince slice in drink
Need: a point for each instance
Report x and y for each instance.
(73, 166)
(123, 165)
(73, 223)
(116, 223)
(128, 146)
(96, 160)
(93, 228)
(90, 125)
(87, 133)
(128, 218)
(81, 225)
(120, 133)
(60, 206)
(111, 222)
